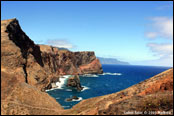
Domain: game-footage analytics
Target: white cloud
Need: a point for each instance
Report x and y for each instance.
(162, 26)
(164, 53)
(63, 43)
(162, 61)
(161, 49)
(151, 35)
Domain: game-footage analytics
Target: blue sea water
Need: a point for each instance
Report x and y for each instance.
(114, 79)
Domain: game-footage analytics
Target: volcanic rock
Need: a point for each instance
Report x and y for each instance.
(72, 98)
(20, 98)
(38, 64)
(27, 68)
(74, 81)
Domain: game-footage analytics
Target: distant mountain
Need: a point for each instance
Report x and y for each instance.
(111, 61)
(61, 48)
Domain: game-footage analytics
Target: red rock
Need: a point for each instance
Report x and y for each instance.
(38, 64)
(27, 68)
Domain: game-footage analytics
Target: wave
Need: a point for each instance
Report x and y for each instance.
(62, 80)
(108, 73)
(94, 75)
(52, 89)
(89, 75)
(68, 90)
(84, 88)
(61, 83)
(57, 97)
(65, 106)
(80, 98)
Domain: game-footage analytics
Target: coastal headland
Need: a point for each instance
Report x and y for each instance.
(28, 69)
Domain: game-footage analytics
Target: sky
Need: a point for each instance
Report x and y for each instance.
(140, 33)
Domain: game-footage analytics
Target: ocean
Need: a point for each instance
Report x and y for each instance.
(114, 79)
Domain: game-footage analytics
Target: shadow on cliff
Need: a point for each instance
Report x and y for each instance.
(21, 40)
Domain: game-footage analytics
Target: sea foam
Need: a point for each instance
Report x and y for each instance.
(108, 73)
(84, 88)
(80, 98)
(89, 75)
(62, 80)
(61, 83)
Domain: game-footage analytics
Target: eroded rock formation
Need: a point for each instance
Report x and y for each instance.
(27, 68)
(74, 81)
(38, 64)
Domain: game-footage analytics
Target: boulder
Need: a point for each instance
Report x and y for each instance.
(72, 98)
(74, 81)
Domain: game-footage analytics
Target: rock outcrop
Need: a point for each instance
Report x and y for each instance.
(154, 94)
(72, 98)
(38, 64)
(74, 81)
(27, 68)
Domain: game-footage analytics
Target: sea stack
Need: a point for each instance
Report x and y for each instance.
(74, 81)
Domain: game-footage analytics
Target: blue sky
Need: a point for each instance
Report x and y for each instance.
(137, 32)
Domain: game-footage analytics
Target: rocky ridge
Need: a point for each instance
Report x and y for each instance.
(38, 64)
(27, 68)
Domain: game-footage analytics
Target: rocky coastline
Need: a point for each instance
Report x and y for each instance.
(37, 66)
(28, 69)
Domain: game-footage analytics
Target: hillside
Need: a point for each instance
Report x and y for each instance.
(27, 70)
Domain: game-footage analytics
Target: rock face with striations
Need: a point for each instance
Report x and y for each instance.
(27, 68)
(38, 64)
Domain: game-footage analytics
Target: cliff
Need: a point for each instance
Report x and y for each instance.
(154, 94)
(27, 68)
(38, 64)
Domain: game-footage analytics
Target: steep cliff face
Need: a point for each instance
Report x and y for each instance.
(38, 64)
(17, 96)
(27, 68)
